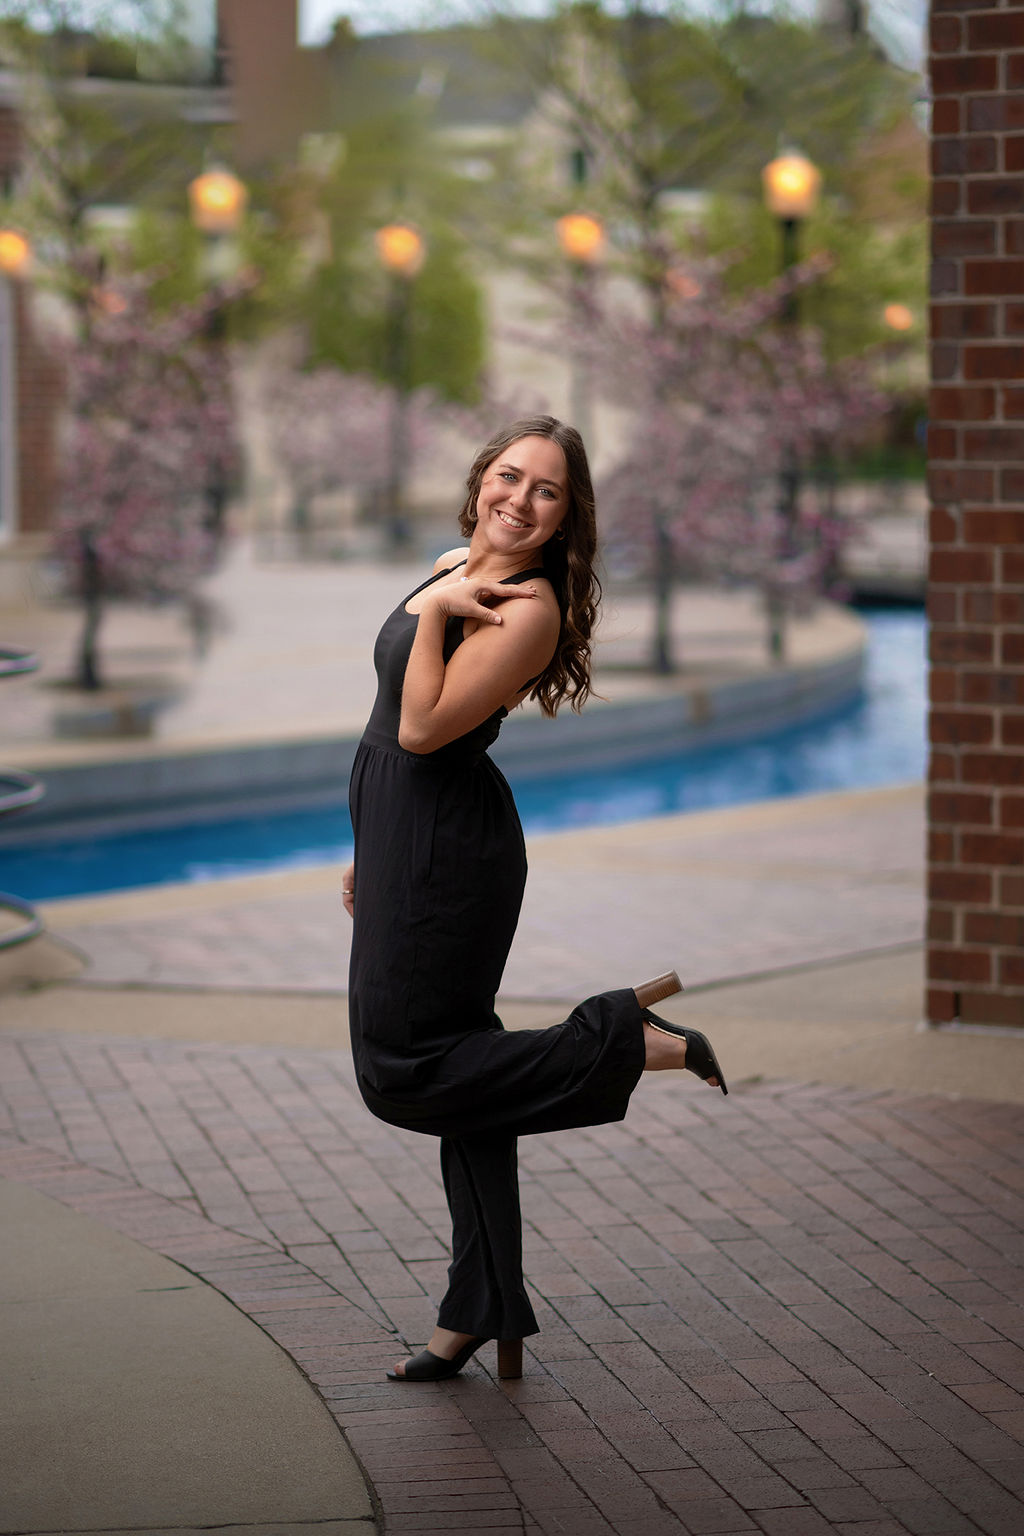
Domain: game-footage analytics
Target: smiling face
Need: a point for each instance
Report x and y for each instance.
(523, 497)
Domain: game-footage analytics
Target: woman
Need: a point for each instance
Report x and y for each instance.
(441, 870)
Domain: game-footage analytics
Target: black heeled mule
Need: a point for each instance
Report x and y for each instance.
(426, 1366)
(700, 1056)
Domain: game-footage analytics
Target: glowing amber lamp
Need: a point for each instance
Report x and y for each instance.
(898, 317)
(15, 253)
(109, 301)
(217, 201)
(580, 235)
(791, 186)
(683, 285)
(400, 248)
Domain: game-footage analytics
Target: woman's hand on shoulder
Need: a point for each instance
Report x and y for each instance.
(476, 599)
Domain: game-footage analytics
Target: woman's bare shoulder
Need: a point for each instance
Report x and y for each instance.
(451, 557)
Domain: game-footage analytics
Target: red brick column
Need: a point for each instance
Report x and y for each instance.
(976, 474)
(10, 147)
(40, 395)
(38, 382)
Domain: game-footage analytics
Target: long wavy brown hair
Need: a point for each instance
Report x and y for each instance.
(569, 558)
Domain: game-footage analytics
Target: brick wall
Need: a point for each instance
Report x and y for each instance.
(40, 393)
(10, 148)
(39, 385)
(976, 473)
(279, 90)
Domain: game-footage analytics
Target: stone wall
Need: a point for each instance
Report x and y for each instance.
(976, 454)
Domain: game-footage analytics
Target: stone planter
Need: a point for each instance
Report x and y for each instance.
(112, 712)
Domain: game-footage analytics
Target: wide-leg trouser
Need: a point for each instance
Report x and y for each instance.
(478, 1092)
(486, 1294)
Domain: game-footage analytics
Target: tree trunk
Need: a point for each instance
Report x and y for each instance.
(399, 371)
(663, 660)
(302, 527)
(788, 507)
(88, 669)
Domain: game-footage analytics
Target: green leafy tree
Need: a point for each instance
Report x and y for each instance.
(347, 313)
(645, 106)
(82, 148)
(868, 266)
(164, 245)
(389, 163)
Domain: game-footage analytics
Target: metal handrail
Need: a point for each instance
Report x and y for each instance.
(27, 792)
(30, 929)
(15, 661)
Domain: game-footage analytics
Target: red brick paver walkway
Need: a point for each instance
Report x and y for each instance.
(794, 1311)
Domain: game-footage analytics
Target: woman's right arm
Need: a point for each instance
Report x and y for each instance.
(442, 701)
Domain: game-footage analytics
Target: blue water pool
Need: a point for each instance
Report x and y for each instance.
(878, 740)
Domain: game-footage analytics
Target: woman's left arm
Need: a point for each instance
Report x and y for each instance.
(442, 702)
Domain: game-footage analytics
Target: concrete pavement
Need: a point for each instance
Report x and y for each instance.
(277, 707)
(290, 653)
(137, 1397)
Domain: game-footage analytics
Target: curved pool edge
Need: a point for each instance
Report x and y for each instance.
(685, 717)
(559, 848)
(139, 781)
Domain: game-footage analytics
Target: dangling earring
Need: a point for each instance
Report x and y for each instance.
(560, 531)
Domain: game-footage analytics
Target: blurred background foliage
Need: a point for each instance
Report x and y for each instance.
(658, 123)
(869, 265)
(673, 116)
(385, 166)
(665, 118)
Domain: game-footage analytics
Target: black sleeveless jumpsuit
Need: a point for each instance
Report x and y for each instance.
(440, 870)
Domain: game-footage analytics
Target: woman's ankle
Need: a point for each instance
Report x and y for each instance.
(446, 1342)
(664, 1053)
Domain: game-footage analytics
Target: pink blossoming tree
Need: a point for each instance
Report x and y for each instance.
(329, 432)
(335, 431)
(727, 402)
(150, 431)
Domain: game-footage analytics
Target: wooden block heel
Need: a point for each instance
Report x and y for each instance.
(650, 992)
(510, 1359)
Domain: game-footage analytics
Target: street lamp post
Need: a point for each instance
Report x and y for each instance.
(15, 259)
(217, 202)
(899, 322)
(791, 186)
(401, 250)
(581, 238)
